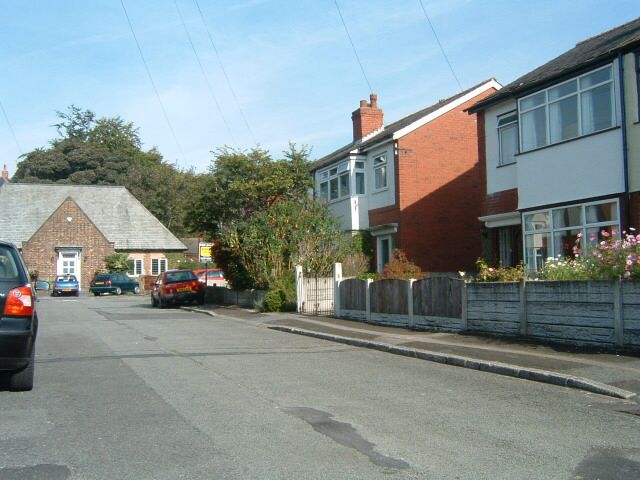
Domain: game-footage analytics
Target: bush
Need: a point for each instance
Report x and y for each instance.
(401, 268)
(498, 274)
(274, 300)
(566, 269)
(355, 264)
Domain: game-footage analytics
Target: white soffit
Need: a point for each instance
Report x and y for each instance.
(446, 108)
(501, 220)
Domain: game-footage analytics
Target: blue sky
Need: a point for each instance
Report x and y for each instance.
(290, 62)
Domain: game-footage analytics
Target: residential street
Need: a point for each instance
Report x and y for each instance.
(124, 391)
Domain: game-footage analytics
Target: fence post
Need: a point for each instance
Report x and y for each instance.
(464, 320)
(523, 308)
(337, 278)
(618, 308)
(299, 289)
(410, 303)
(368, 299)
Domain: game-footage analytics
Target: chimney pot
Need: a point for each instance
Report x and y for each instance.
(374, 100)
(363, 103)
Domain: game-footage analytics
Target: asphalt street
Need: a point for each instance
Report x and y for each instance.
(129, 392)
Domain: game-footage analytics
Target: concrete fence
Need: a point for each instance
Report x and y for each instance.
(227, 296)
(595, 313)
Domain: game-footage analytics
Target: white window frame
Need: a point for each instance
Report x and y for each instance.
(507, 121)
(379, 261)
(159, 265)
(546, 103)
(360, 170)
(336, 175)
(380, 164)
(138, 267)
(551, 229)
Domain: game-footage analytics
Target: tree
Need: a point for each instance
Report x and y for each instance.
(118, 263)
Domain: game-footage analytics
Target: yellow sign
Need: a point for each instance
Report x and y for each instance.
(205, 250)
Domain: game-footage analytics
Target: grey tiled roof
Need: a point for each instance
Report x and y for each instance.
(388, 130)
(120, 217)
(590, 52)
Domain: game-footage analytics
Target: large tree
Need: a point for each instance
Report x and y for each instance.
(108, 151)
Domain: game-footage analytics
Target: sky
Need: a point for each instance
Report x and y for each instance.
(294, 76)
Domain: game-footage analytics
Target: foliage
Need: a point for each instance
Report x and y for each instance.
(498, 274)
(118, 263)
(262, 249)
(401, 268)
(611, 258)
(108, 151)
(274, 300)
(355, 264)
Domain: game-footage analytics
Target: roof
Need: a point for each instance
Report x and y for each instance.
(388, 132)
(590, 52)
(120, 217)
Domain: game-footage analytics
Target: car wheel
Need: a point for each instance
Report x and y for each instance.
(118, 291)
(97, 294)
(53, 293)
(162, 302)
(22, 381)
(136, 290)
(200, 300)
(78, 293)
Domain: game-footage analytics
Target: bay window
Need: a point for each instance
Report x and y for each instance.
(577, 107)
(335, 183)
(554, 232)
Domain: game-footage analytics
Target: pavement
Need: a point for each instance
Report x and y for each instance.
(616, 374)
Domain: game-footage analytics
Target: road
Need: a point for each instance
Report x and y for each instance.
(124, 391)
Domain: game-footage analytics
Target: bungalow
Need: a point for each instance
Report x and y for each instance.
(562, 151)
(414, 184)
(72, 228)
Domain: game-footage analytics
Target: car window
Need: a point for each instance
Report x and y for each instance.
(101, 277)
(8, 267)
(180, 276)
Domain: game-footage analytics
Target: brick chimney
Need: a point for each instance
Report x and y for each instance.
(5, 175)
(367, 118)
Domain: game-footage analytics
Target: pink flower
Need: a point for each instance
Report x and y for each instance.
(605, 234)
(579, 235)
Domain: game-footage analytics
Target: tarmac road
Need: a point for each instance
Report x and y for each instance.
(129, 392)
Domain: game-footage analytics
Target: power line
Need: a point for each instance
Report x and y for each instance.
(13, 133)
(153, 84)
(353, 46)
(440, 44)
(235, 98)
(204, 73)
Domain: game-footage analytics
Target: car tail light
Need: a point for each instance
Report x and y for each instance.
(108, 282)
(19, 302)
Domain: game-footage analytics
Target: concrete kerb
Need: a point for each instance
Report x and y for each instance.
(525, 373)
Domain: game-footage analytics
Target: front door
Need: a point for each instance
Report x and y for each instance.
(69, 263)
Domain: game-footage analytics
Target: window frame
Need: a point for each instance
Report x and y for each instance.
(359, 169)
(136, 272)
(382, 165)
(501, 127)
(578, 94)
(159, 266)
(336, 175)
(550, 229)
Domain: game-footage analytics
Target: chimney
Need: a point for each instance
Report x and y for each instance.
(368, 118)
(5, 175)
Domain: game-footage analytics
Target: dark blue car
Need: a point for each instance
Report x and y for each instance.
(65, 285)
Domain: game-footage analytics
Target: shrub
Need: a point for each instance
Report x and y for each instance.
(355, 264)
(401, 268)
(274, 300)
(498, 274)
(118, 263)
(566, 269)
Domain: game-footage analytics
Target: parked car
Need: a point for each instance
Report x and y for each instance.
(116, 283)
(18, 321)
(65, 285)
(213, 277)
(177, 286)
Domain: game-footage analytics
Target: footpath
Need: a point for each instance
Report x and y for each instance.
(592, 370)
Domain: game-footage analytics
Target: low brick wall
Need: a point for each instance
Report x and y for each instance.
(227, 296)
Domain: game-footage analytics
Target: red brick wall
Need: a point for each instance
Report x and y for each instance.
(40, 250)
(440, 192)
(500, 202)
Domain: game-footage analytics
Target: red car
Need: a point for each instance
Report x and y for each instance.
(177, 287)
(213, 277)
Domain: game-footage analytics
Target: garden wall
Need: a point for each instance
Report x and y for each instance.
(227, 296)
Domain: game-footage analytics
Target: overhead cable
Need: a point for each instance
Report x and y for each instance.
(153, 84)
(204, 73)
(13, 133)
(424, 10)
(224, 72)
(353, 46)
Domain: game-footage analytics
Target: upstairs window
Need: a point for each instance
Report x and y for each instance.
(360, 178)
(577, 107)
(335, 183)
(380, 172)
(508, 138)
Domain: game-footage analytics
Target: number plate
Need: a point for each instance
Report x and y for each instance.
(184, 289)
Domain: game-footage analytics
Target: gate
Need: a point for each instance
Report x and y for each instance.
(315, 293)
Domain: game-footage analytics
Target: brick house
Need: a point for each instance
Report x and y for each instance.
(72, 228)
(414, 184)
(561, 151)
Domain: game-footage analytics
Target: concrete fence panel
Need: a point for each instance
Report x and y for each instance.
(631, 313)
(493, 308)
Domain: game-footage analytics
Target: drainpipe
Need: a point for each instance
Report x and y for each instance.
(625, 156)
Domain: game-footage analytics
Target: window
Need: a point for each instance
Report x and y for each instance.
(579, 106)
(137, 267)
(335, 183)
(508, 138)
(553, 232)
(380, 172)
(360, 185)
(158, 266)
